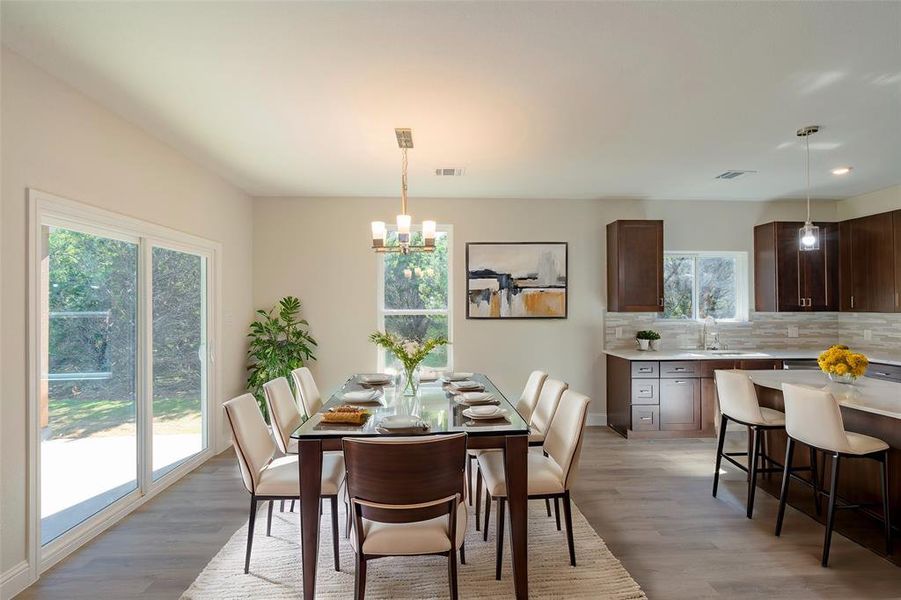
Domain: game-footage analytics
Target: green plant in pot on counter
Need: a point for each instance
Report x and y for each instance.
(648, 339)
(280, 342)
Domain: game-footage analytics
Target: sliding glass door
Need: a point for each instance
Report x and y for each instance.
(88, 397)
(120, 339)
(179, 357)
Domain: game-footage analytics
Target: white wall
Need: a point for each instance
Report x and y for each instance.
(318, 250)
(59, 141)
(870, 204)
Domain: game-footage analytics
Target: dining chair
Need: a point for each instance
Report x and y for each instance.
(267, 478)
(407, 499)
(545, 408)
(284, 415)
(525, 406)
(307, 391)
(551, 474)
(813, 417)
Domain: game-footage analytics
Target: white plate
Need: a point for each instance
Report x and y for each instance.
(483, 412)
(467, 384)
(401, 422)
(449, 376)
(473, 398)
(374, 378)
(428, 376)
(361, 395)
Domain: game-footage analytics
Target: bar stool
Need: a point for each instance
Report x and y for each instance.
(813, 417)
(738, 403)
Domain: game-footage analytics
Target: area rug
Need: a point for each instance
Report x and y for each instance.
(275, 565)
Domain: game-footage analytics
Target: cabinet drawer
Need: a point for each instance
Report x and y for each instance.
(876, 371)
(645, 368)
(645, 391)
(679, 368)
(645, 418)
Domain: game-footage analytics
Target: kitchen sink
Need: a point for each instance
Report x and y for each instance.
(728, 353)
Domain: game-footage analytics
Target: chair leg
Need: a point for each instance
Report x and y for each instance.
(346, 520)
(487, 516)
(500, 538)
(269, 520)
(334, 503)
(568, 514)
(452, 572)
(281, 508)
(557, 512)
(719, 453)
(885, 505)
(292, 506)
(830, 515)
(360, 578)
(815, 481)
(783, 494)
(250, 523)
(547, 505)
(478, 495)
(469, 478)
(752, 463)
(463, 553)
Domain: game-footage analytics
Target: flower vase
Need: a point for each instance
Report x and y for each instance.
(846, 379)
(411, 380)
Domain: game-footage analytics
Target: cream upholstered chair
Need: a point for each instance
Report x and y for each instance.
(738, 403)
(548, 400)
(407, 499)
(525, 406)
(307, 391)
(813, 417)
(284, 416)
(551, 475)
(269, 478)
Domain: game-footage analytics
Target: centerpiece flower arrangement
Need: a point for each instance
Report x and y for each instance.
(843, 365)
(409, 352)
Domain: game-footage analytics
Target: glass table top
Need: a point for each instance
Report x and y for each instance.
(433, 404)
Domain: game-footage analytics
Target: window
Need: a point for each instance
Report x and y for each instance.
(415, 297)
(121, 334)
(701, 284)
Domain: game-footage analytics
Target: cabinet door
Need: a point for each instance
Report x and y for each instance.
(635, 266)
(897, 220)
(710, 417)
(867, 274)
(820, 271)
(789, 284)
(680, 405)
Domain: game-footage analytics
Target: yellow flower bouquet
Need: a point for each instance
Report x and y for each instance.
(843, 365)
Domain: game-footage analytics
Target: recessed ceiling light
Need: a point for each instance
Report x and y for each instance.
(842, 170)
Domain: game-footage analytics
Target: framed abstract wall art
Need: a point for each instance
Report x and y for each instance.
(516, 280)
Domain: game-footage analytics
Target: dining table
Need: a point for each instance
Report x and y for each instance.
(436, 406)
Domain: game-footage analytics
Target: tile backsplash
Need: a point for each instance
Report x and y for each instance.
(766, 330)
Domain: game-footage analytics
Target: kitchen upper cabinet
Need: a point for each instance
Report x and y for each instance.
(787, 279)
(635, 266)
(868, 264)
(897, 221)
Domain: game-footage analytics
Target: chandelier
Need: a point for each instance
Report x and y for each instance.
(809, 234)
(404, 221)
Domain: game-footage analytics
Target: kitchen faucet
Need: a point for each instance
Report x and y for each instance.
(708, 332)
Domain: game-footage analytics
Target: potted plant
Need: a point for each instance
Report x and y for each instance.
(842, 365)
(279, 343)
(648, 338)
(409, 352)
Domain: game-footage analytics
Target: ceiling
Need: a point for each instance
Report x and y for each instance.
(549, 100)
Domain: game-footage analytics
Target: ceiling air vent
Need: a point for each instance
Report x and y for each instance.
(733, 174)
(450, 172)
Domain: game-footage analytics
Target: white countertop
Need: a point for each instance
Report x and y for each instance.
(866, 394)
(749, 354)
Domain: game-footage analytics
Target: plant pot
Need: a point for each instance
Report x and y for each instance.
(655, 345)
(643, 344)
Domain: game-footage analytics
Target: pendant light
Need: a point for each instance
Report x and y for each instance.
(404, 220)
(809, 234)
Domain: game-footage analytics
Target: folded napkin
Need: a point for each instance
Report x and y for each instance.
(467, 384)
(472, 398)
(361, 396)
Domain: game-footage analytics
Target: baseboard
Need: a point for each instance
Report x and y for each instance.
(16, 579)
(597, 420)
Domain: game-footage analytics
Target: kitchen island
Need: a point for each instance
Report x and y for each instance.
(870, 406)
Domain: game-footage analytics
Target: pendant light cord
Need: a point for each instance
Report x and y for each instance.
(807, 141)
(403, 184)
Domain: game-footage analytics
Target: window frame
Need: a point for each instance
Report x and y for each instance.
(382, 312)
(45, 209)
(742, 285)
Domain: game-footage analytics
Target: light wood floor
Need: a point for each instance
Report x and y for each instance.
(649, 500)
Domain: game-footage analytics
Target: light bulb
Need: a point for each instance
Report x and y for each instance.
(378, 234)
(408, 273)
(403, 223)
(429, 229)
(808, 239)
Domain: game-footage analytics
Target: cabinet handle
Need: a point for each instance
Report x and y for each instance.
(880, 373)
(661, 302)
(678, 381)
(651, 418)
(678, 369)
(852, 301)
(644, 369)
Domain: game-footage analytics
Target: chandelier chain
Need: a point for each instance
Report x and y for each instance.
(403, 182)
